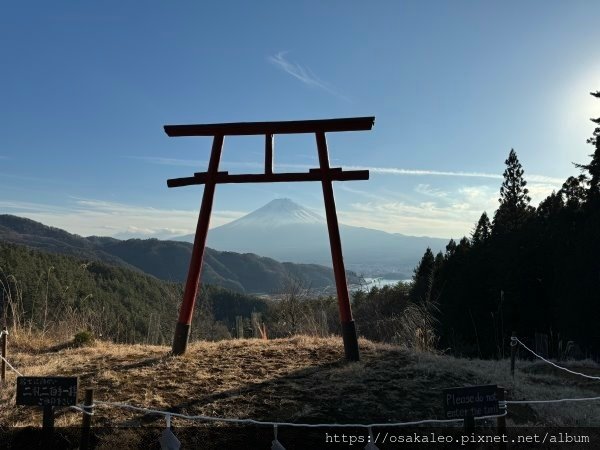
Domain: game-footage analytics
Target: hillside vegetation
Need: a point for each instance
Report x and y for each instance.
(63, 295)
(168, 260)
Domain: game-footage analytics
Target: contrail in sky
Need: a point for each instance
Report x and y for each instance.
(305, 75)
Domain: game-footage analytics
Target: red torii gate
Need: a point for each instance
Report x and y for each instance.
(212, 177)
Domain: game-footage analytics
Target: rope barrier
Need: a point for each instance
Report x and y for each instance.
(495, 416)
(285, 424)
(561, 400)
(11, 366)
(515, 339)
(82, 409)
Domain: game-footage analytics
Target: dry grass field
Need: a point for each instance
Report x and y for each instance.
(301, 379)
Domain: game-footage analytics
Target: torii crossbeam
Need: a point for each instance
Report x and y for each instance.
(325, 174)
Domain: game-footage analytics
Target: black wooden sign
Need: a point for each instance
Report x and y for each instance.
(474, 401)
(47, 391)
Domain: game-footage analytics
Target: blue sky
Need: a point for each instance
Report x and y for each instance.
(86, 87)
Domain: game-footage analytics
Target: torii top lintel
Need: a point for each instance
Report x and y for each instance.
(285, 127)
(269, 129)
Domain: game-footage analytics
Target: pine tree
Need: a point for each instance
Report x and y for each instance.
(483, 230)
(438, 276)
(422, 278)
(574, 192)
(593, 168)
(514, 202)
(550, 205)
(439, 262)
(450, 248)
(463, 245)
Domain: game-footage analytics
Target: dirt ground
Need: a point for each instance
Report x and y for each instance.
(301, 379)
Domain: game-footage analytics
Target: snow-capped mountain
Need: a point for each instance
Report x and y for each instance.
(277, 213)
(287, 231)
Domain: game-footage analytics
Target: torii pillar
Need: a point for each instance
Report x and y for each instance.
(325, 174)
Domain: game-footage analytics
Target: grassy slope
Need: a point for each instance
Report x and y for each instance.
(299, 379)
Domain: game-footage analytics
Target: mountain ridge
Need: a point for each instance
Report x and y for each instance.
(286, 231)
(167, 260)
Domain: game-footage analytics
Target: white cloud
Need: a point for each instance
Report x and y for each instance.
(425, 189)
(484, 198)
(297, 71)
(223, 165)
(418, 172)
(429, 191)
(540, 191)
(444, 213)
(425, 219)
(304, 74)
(449, 213)
(98, 217)
(370, 195)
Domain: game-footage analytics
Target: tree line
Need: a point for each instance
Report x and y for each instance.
(61, 296)
(528, 270)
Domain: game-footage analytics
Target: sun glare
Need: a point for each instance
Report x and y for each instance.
(580, 105)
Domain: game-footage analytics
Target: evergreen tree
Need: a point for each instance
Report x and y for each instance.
(483, 230)
(423, 278)
(450, 248)
(514, 202)
(439, 262)
(593, 168)
(438, 277)
(550, 205)
(463, 245)
(574, 192)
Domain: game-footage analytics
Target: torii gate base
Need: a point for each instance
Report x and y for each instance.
(212, 177)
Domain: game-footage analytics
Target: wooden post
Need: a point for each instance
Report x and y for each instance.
(469, 427)
(184, 323)
(86, 422)
(501, 421)
(48, 421)
(348, 327)
(268, 154)
(3, 365)
(469, 423)
(513, 354)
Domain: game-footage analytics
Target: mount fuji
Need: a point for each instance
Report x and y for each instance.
(287, 231)
(278, 213)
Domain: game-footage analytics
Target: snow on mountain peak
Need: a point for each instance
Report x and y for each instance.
(278, 212)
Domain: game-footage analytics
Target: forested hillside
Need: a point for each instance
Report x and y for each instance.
(168, 260)
(42, 291)
(528, 270)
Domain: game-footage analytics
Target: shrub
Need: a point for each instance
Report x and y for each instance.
(83, 338)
